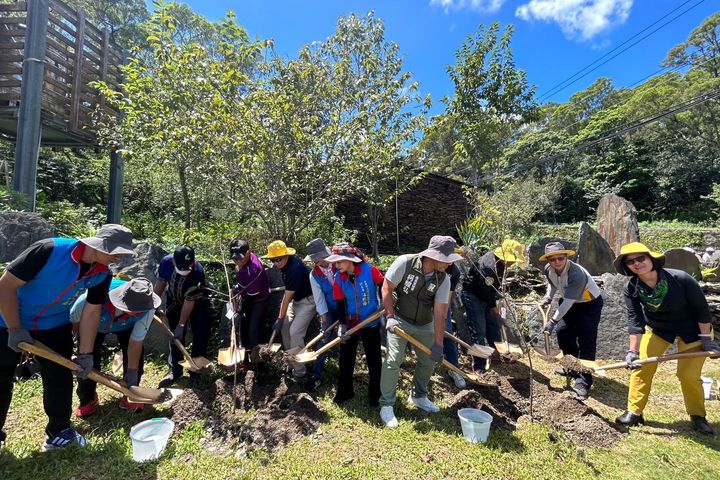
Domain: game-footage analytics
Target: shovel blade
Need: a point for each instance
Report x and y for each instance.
(503, 348)
(228, 358)
(200, 364)
(305, 357)
(275, 347)
(481, 351)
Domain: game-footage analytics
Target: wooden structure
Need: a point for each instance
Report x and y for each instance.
(49, 54)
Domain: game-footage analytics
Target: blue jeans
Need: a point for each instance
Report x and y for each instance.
(483, 326)
(450, 348)
(319, 364)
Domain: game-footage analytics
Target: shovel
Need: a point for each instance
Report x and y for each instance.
(546, 351)
(659, 359)
(475, 350)
(399, 331)
(197, 364)
(315, 339)
(503, 347)
(307, 357)
(134, 394)
(231, 356)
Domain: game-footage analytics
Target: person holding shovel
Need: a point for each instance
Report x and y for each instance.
(253, 287)
(356, 293)
(481, 290)
(423, 292)
(298, 305)
(577, 316)
(128, 314)
(36, 293)
(182, 280)
(322, 280)
(663, 305)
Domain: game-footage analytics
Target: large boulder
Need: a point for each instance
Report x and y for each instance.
(685, 260)
(593, 252)
(617, 221)
(612, 339)
(19, 229)
(537, 249)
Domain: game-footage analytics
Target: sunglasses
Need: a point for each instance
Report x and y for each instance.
(276, 260)
(639, 259)
(556, 259)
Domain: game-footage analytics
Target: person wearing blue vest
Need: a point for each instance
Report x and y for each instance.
(322, 279)
(36, 293)
(128, 314)
(356, 293)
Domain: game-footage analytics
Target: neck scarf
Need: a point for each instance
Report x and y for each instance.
(654, 298)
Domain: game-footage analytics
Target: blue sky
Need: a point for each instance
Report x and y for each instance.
(553, 38)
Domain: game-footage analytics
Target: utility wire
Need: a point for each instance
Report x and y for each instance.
(582, 73)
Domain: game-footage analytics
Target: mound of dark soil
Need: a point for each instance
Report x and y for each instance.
(269, 411)
(573, 365)
(510, 400)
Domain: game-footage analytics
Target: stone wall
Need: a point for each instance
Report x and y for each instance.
(435, 206)
(19, 229)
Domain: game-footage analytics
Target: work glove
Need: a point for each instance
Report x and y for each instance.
(709, 345)
(550, 326)
(131, 377)
(179, 332)
(630, 358)
(324, 323)
(85, 362)
(545, 302)
(342, 333)
(436, 353)
(277, 326)
(391, 323)
(16, 336)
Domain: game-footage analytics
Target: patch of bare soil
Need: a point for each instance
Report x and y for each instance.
(510, 400)
(270, 411)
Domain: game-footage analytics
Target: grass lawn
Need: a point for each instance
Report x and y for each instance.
(352, 444)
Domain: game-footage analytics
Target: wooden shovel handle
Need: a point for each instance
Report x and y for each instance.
(399, 331)
(544, 312)
(37, 348)
(659, 359)
(357, 327)
(318, 337)
(178, 343)
(457, 340)
(272, 337)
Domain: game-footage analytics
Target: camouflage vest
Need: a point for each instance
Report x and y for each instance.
(415, 294)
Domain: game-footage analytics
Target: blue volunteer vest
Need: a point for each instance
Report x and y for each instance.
(361, 296)
(45, 301)
(109, 323)
(326, 287)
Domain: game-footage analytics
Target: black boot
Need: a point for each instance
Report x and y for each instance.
(561, 371)
(701, 425)
(581, 391)
(629, 419)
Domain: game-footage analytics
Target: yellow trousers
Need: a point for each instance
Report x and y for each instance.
(688, 372)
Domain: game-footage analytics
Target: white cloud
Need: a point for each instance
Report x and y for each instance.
(480, 5)
(578, 18)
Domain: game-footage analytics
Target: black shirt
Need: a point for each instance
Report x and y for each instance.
(489, 269)
(35, 257)
(683, 307)
(296, 276)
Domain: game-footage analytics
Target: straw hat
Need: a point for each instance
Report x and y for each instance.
(555, 248)
(510, 251)
(636, 247)
(278, 249)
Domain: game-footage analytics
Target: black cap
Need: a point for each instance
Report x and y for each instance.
(238, 249)
(184, 258)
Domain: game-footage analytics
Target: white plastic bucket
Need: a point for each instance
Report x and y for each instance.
(150, 437)
(475, 424)
(707, 384)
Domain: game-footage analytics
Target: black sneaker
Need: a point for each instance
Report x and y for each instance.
(65, 438)
(3, 436)
(168, 380)
(629, 419)
(581, 392)
(701, 425)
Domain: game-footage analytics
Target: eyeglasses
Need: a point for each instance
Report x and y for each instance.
(639, 259)
(556, 259)
(276, 260)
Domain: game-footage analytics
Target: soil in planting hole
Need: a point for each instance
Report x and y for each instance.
(510, 400)
(270, 411)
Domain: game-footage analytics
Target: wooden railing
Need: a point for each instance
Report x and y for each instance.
(77, 53)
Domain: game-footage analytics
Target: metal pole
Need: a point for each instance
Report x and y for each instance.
(29, 129)
(117, 167)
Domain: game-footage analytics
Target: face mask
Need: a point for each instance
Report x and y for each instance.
(182, 272)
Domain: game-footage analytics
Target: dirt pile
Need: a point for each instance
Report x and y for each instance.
(573, 365)
(510, 400)
(269, 411)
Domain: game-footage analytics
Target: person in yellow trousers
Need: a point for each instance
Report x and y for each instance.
(663, 304)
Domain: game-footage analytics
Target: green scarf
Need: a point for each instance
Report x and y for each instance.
(653, 299)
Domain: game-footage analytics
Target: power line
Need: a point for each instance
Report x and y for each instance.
(582, 73)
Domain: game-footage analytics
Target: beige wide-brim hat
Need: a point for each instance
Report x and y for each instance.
(442, 248)
(137, 295)
(278, 249)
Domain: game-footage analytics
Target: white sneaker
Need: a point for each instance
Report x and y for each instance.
(424, 403)
(457, 379)
(388, 417)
